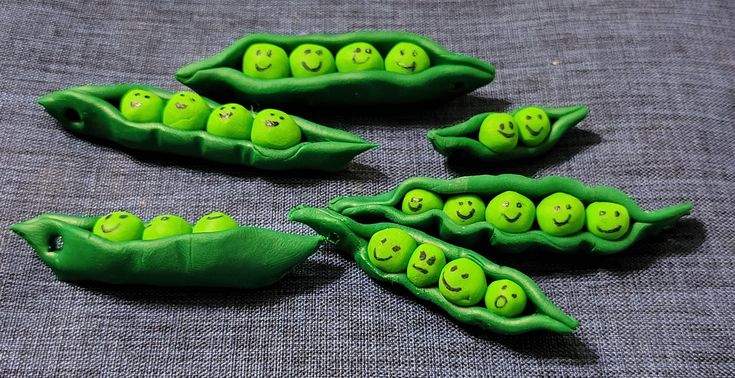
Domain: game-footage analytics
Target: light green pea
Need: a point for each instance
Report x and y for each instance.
(186, 111)
(417, 201)
(498, 132)
(139, 105)
(275, 129)
(390, 249)
(265, 61)
(214, 222)
(164, 226)
(465, 209)
(505, 298)
(425, 265)
(607, 220)
(119, 226)
(560, 214)
(230, 121)
(309, 60)
(511, 212)
(463, 282)
(406, 58)
(533, 124)
(359, 56)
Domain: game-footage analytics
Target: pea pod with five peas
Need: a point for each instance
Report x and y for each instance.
(553, 213)
(453, 278)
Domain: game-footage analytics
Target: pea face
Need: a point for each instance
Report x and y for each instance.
(533, 124)
(406, 58)
(186, 111)
(214, 222)
(560, 214)
(498, 132)
(359, 56)
(265, 61)
(425, 265)
(607, 220)
(230, 121)
(389, 249)
(119, 226)
(164, 226)
(463, 282)
(417, 201)
(139, 105)
(309, 60)
(511, 212)
(275, 129)
(465, 209)
(505, 298)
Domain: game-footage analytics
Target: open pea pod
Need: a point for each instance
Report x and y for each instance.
(352, 237)
(461, 140)
(92, 111)
(221, 77)
(482, 234)
(245, 257)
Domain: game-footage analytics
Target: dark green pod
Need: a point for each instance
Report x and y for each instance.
(353, 237)
(483, 235)
(461, 139)
(245, 257)
(92, 111)
(221, 78)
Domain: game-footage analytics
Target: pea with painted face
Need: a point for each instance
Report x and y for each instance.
(390, 249)
(186, 111)
(465, 209)
(560, 214)
(607, 220)
(265, 61)
(533, 124)
(275, 129)
(498, 132)
(425, 265)
(417, 201)
(511, 212)
(463, 282)
(505, 298)
(309, 60)
(230, 121)
(119, 226)
(359, 56)
(164, 226)
(139, 105)
(407, 58)
(214, 222)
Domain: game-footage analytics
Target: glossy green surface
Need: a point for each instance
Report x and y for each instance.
(359, 56)
(119, 226)
(560, 214)
(275, 129)
(139, 105)
(425, 265)
(533, 124)
(230, 121)
(164, 226)
(265, 61)
(498, 132)
(511, 212)
(214, 222)
(186, 111)
(390, 249)
(310, 60)
(464, 209)
(607, 220)
(419, 201)
(407, 59)
(463, 282)
(505, 298)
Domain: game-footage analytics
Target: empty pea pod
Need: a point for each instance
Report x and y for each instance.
(241, 257)
(92, 111)
(222, 76)
(571, 235)
(352, 237)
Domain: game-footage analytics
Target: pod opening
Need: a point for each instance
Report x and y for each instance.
(55, 243)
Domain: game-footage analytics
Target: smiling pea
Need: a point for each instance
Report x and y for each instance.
(230, 121)
(164, 226)
(139, 105)
(511, 212)
(311, 60)
(390, 249)
(417, 201)
(465, 209)
(359, 56)
(533, 124)
(275, 129)
(119, 226)
(607, 220)
(560, 214)
(498, 132)
(406, 58)
(463, 282)
(186, 111)
(425, 265)
(265, 61)
(505, 298)
(214, 222)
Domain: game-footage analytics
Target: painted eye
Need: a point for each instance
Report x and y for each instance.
(452, 269)
(402, 52)
(557, 208)
(617, 213)
(506, 204)
(415, 53)
(268, 53)
(422, 256)
(137, 94)
(357, 50)
(504, 287)
(502, 126)
(602, 213)
(396, 248)
(232, 107)
(460, 203)
(280, 117)
(510, 124)
(540, 117)
(318, 52)
(108, 216)
(193, 100)
(307, 51)
(514, 295)
(257, 52)
(181, 94)
(528, 117)
(465, 276)
(369, 51)
(123, 216)
(469, 203)
(164, 218)
(221, 108)
(431, 260)
(272, 114)
(384, 240)
(519, 205)
(569, 207)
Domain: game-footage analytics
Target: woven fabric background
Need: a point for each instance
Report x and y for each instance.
(659, 77)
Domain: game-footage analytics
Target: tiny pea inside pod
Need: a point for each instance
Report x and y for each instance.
(115, 249)
(461, 290)
(493, 137)
(513, 213)
(150, 119)
(327, 69)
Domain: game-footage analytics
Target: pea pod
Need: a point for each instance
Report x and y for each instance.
(89, 110)
(386, 206)
(461, 139)
(245, 257)
(351, 236)
(220, 76)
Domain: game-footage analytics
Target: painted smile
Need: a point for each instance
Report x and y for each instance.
(559, 224)
(534, 132)
(501, 301)
(417, 208)
(610, 231)
(306, 67)
(261, 69)
(450, 287)
(511, 135)
(226, 115)
(511, 220)
(108, 230)
(420, 269)
(412, 67)
(135, 104)
(269, 123)
(354, 60)
(468, 216)
(214, 217)
(180, 105)
(375, 254)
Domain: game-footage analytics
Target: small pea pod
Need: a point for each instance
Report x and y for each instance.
(245, 257)
(386, 206)
(89, 111)
(351, 236)
(450, 74)
(461, 140)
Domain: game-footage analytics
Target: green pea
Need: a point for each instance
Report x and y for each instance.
(498, 132)
(214, 222)
(463, 282)
(139, 105)
(417, 201)
(533, 124)
(406, 58)
(505, 298)
(309, 60)
(275, 129)
(425, 265)
(359, 56)
(164, 226)
(607, 220)
(186, 111)
(389, 249)
(265, 61)
(119, 226)
(511, 212)
(230, 121)
(465, 209)
(560, 214)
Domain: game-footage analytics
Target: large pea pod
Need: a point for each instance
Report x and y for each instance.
(90, 111)
(450, 74)
(482, 235)
(352, 237)
(245, 257)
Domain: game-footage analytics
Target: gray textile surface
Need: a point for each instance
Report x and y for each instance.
(658, 78)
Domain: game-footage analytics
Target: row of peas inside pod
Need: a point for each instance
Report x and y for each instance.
(268, 61)
(188, 111)
(122, 226)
